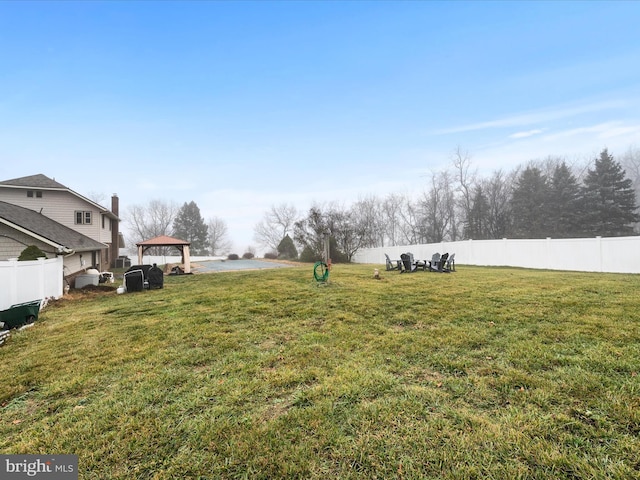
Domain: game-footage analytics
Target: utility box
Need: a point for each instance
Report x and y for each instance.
(123, 262)
(86, 279)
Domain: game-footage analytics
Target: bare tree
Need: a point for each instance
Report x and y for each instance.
(277, 223)
(410, 231)
(466, 181)
(498, 194)
(151, 220)
(390, 211)
(367, 215)
(631, 163)
(335, 222)
(219, 242)
(437, 209)
(345, 228)
(97, 197)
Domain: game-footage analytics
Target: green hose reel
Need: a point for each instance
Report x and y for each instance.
(320, 272)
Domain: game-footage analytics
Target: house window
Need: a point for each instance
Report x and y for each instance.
(83, 218)
(38, 194)
(31, 193)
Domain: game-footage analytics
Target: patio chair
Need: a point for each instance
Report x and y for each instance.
(438, 263)
(443, 262)
(434, 262)
(393, 265)
(407, 266)
(411, 265)
(451, 263)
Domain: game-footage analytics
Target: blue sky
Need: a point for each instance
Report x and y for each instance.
(242, 105)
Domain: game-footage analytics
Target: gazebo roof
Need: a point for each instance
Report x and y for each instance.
(163, 241)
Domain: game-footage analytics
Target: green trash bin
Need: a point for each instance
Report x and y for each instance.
(20, 314)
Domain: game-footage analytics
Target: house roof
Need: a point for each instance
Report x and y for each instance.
(34, 181)
(163, 241)
(43, 182)
(50, 231)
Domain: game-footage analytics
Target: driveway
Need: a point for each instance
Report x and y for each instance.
(233, 265)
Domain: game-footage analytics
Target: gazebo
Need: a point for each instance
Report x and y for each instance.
(166, 241)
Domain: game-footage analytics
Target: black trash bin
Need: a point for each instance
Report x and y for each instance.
(134, 280)
(155, 277)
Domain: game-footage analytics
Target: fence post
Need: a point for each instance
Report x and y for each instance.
(13, 289)
(41, 274)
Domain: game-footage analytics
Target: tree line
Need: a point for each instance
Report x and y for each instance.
(160, 217)
(541, 199)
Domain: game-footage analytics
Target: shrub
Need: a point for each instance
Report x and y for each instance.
(248, 255)
(270, 255)
(233, 256)
(31, 253)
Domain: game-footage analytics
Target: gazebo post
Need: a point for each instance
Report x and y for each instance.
(186, 259)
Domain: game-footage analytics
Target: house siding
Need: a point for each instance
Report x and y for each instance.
(79, 262)
(62, 206)
(13, 242)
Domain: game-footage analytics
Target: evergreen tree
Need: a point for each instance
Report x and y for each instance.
(563, 203)
(477, 227)
(498, 192)
(609, 199)
(189, 225)
(529, 205)
(287, 249)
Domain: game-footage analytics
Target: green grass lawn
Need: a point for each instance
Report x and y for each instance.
(482, 373)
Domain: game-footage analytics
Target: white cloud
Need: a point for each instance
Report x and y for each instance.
(535, 117)
(601, 131)
(576, 144)
(528, 133)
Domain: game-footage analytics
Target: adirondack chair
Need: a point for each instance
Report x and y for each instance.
(411, 265)
(443, 262)
(451, 263)
(438, 263)
(393, 265)
(434, 262)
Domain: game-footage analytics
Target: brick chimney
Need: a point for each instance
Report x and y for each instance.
(115, 230)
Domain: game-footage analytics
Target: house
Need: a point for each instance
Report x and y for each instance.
(37, 210)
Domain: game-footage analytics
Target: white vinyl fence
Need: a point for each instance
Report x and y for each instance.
(599, 254)
(30, 280)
